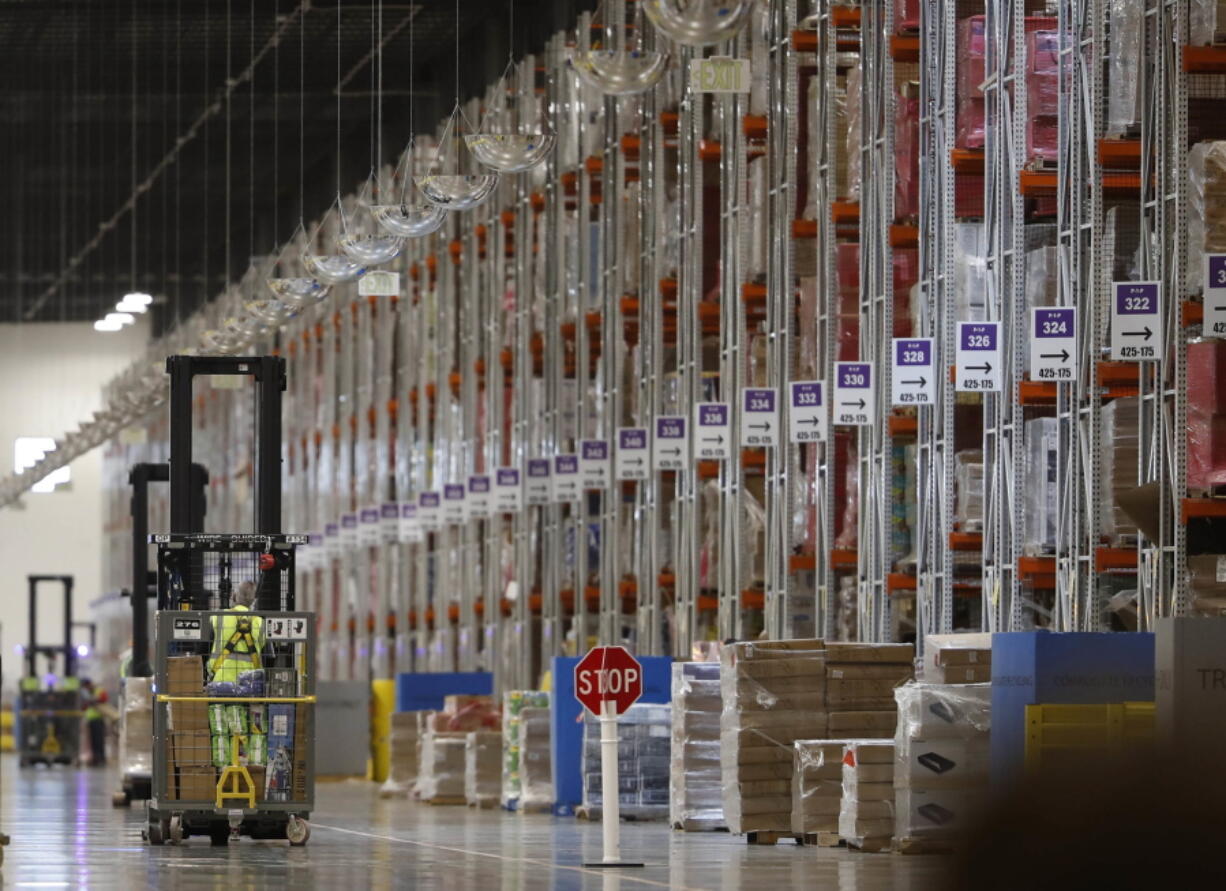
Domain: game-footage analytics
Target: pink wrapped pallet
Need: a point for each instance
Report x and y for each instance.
(1042, 95)
(1206, 414)
(906, 157)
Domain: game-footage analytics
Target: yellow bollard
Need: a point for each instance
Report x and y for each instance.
(382, 704)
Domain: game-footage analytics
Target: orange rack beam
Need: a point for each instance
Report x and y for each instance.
(1037, 392)
(966, 541)
(1193, 313)
(1120, 154)
(901, 581)
(845, 16)
(753, 599)
(1201, 508)
(804, 228)
(1204, 59)
(967, 160)
(1040, 571)
(904, 425)
(802, 563)
(843, 558)
(1114, 559)
(804, 41)
(905, 47)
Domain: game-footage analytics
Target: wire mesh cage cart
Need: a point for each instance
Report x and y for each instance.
(234, 675)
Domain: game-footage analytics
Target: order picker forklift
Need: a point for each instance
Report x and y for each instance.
(234, 663)
(135, 742)
(49, 705)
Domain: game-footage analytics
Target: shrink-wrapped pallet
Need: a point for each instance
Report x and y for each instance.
(405, 747)
(866, 815)
(773, 694)
(441, 771)
(513, 704)
(1121, 463)
(643, 744)
(535, 760)
(136, 739)
(860, 682)
(695, 781)
(817, 785)
(482, 767)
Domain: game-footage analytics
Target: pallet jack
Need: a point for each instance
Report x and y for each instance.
(136, 786)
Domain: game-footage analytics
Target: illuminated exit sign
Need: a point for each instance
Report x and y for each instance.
(719, 74)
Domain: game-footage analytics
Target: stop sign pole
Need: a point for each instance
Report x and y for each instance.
(608, 680)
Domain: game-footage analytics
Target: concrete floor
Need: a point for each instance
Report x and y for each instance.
(66, 834)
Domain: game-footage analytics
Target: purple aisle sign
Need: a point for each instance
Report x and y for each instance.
(712, 431)
(478, 501)
(1053, 343)
(759, 417)
(427, 510)
(594, 463)
(566, 478)
(508, 490)
(1136, 322)
(537, 488)
(855, 397)
(807, 411)
(977, 361)
(671, 443)
(1215, 296)
(453, 503)
(632, 457)
(912, 375)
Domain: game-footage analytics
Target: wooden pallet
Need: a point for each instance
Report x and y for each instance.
(446, 800)
(871, 845)
(824, 839)
(764, 837)
(535, 808)
(485, 802)
(694, 825)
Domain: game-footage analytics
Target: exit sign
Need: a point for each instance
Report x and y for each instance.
(719, 74)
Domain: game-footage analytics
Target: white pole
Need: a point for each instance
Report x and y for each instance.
(611, 818)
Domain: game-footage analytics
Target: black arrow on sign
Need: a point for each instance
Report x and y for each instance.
(922, 382)
(861, 404)
(759, 426)
(719, 439)
(1147, 334)
(813, 421)
(636, 460)
(986, 368)
(671, 451)
(1062, 355)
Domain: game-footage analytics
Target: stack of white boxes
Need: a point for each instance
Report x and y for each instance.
(774, 694)
(817, 789)
(404, 751)
(643, 745)
(695, 782)
(482, 768)
(860, 682)
(866, 817)
(535, 761)
(941, 769)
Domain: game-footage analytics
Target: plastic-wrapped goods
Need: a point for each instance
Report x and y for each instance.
(136, 736)
(773, 694)
(1206, 207)
(968, 490)
(807, 346)
(695, 782)
(970, 272)
(1121, 459)
(1207, 584)
(906, 152)
(482, 768)
(817, 785)
(852, 133)
(941, 759)
(405, 746)
(955, 664)
(860, 682)
(1042, 276)
(440, 776)
(866, 816)
(756, 229)
(1042, 463)
(848, 607)
(1042, 95)
(972, 55)
(846, 461)
(1206, 414)
(1124, 22)
(906, 16)
(535, 764)
(1205, 19)
(643, 749)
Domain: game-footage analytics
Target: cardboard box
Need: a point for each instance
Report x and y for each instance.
(191, 748)
(184, 676)
(895, 673)
(935, 813)
(963, 656)
(936, 644)
(1190, 689)
(936, 711)
(853, 721)
(853, 652)
(197, 784)
(961, 674)
(188, 716)
(944, 764)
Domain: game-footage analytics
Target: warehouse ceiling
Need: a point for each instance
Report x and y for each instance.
(132, 140)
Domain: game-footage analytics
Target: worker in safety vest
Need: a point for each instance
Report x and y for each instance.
(239, 640)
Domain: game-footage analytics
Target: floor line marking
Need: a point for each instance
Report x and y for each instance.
(624, 876)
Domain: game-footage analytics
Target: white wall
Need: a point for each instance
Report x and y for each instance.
(51, 378)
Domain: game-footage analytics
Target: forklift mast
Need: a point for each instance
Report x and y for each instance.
(34, 648)
(143, 587)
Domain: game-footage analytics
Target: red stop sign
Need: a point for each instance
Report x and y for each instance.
(608, 674)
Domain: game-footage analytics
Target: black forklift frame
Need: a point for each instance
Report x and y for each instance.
(143, 583)
(34, 649)
(269, 375)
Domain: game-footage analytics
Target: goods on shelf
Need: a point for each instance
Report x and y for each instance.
(941, 758)
(955, 664)
(643, 751)
(1042, 95)
(404, 746)
(851, 135)
(968, 490)
(860, 682)
(1206, 19)
(1207, 583)
(535, 760)
(906, 152)
(1042, 276)
(1206, 414)
(970, 272)
(773, 694)
(695, 780)
(1124, 20)
(817, 785)
(482, 767)
(1042, 497)
(1121, 460)
(441, 773)
(972, 58)
(513, 704)
(866, 814)
(1206, 207)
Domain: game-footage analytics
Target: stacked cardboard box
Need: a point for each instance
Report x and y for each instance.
(1121, 439)
(817, 786)
(860, 682)
(961, 665)
(643, 743)
(1207, 584)
(866, 817)
(513, 703)
(404, 744)
(695, 782)
(441, 772)
(535, 761)
(136, 736)
(941, 760)
(774, 694)
(482, 768)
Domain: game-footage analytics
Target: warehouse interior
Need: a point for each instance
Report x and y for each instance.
(668, 443)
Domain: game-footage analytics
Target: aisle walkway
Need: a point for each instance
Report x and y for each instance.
(66, 834)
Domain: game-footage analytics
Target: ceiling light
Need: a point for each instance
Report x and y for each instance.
(107, 324)
(134, 303)
(123, 318)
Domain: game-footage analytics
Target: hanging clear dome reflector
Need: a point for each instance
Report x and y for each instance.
(405, 218)
(698, 22)
(362, 238)
(616, 70)
(454, 191)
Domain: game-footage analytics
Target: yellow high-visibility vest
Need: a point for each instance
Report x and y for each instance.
(236, 644)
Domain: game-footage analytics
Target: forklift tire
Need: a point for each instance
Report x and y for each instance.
(156, 833)
(219, 834)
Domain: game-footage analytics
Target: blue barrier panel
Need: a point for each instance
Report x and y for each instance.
(1041, 667)
(424, 692)
(566, 730)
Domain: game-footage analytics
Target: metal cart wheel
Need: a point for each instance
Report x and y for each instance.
(176, 829)
(297, 831)
(157, 831)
